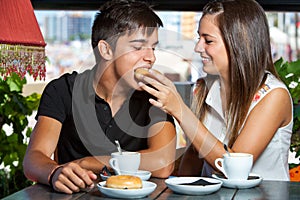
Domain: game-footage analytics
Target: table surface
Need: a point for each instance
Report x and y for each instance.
(280, 190)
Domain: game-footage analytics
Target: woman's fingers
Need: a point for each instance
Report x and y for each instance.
(148, 89)
(167, 97)
(161, 78)
(156, 103)
(159, 87)
(156, 79)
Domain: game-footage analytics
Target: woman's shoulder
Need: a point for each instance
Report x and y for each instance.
(271, 86)
(273, 82)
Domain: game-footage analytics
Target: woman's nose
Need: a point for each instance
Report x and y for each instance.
(199, 48)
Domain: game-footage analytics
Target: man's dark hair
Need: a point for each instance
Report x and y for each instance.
(118, 17)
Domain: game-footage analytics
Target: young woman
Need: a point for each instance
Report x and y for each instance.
(241, 102)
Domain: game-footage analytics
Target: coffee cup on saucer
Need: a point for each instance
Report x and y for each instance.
(235, 166)
(125, 162)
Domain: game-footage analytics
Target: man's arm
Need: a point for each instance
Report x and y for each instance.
(38, 165)
(43, 140)
(191, 155)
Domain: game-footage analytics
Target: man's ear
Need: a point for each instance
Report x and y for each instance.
(105, 50)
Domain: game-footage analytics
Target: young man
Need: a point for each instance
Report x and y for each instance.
(81, 115)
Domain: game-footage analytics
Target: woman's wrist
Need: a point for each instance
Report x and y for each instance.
(179, 112)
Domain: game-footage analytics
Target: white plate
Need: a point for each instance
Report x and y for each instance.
(241, 184)
(148, 188)
(144, 175)
(175, 184)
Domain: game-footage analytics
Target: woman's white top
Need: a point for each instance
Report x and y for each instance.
(273, 162)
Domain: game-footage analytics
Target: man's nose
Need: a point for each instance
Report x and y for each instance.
(149, 55)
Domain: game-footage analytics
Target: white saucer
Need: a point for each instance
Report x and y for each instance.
(175, 184)
(104, 177)
(253, 180)
(144, 175)
(148, 188)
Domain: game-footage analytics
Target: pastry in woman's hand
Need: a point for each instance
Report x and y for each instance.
(139, 72)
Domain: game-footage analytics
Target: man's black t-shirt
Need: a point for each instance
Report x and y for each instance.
(88, 127)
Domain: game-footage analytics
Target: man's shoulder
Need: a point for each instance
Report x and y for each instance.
(61, 85)
(67, 77)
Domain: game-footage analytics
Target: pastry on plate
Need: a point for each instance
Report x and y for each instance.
(124, 182)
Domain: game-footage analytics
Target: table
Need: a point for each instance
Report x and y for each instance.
(280, 190)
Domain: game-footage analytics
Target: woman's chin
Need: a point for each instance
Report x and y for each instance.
(210, 70)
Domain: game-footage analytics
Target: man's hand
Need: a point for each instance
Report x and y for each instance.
(72, 178)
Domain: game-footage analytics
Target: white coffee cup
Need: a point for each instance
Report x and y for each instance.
(125, 163)
(235, 166)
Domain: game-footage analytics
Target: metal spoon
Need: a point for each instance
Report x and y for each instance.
(226, 149)
(118, 146)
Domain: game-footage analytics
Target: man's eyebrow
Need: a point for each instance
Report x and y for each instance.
(142, 41)
(156, 43)
(138, 40)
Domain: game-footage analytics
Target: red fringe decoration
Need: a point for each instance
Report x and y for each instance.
(22, 46)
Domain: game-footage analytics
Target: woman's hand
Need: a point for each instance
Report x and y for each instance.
(168, 99)
(72, 178)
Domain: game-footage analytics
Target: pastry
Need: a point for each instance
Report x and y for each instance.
(124, 182)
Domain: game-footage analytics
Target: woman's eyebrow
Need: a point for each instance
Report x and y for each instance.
(206, 35)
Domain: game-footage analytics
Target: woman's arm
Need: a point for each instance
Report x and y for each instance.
(272, 112)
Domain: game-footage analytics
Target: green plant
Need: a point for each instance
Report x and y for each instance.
(14, 110)
(289, 73)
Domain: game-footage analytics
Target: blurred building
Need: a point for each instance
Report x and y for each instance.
(188, 24)
(64, 27)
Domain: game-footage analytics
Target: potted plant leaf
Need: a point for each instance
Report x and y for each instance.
(14, 112)
(289, 73)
